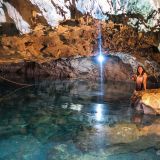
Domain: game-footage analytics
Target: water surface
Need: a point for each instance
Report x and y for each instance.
(63, 120)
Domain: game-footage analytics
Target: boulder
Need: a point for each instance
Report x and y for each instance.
(147, 102)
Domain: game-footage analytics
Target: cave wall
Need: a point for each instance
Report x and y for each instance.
(144, 14)
(42, 31)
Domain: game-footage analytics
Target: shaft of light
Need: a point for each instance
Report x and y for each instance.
(100, 58)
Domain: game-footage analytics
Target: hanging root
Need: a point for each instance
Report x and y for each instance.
(20, 84)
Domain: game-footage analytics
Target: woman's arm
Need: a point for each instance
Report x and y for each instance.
(134, 77)
(145, 81)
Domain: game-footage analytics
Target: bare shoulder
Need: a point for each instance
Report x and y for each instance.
(145, 75)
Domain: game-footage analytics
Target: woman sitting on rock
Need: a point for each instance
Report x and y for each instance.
(141, 79)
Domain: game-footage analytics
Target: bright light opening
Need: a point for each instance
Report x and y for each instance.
(100, 58)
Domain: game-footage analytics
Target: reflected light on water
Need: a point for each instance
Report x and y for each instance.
(99, 112)
(76, 107)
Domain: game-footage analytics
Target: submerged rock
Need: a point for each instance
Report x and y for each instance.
(147, 102)
(158, 152)
(120, 138)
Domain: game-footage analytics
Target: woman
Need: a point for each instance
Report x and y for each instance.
(141, 79)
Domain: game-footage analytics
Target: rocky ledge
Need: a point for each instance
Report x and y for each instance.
(147, 102)
(69, 68)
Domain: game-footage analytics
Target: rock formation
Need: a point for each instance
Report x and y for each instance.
(80, 40)
(24, 14)
(67, 68)
(147, 102)
(130, 30)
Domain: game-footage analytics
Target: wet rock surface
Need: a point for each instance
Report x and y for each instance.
(147, 102)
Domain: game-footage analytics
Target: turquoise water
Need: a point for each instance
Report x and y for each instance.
(72, 120)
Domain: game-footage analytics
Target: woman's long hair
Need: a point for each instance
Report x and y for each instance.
(142, 71)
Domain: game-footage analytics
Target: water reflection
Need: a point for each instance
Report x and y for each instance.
(71, 120)
(76, 107)
(99, 112)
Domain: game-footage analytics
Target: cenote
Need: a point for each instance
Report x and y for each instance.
(71, 119)
(79, 80)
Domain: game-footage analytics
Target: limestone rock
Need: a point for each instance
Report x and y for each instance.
(147, 101)
(120, 138)
(116, 70)
(66, 68)
(26, 14)
(46, 44)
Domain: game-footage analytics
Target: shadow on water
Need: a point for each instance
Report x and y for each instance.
(57, 120)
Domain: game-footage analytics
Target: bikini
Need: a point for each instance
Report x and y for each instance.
(139, 83)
